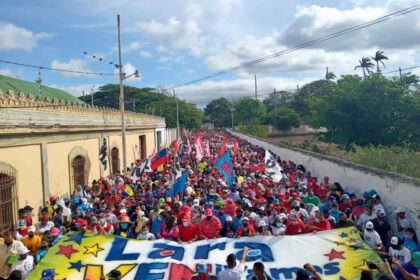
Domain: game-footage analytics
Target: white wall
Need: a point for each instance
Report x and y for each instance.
(395, 190)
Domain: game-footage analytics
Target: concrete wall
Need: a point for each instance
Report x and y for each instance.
(395, 190)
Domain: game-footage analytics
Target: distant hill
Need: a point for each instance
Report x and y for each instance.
(147, 100)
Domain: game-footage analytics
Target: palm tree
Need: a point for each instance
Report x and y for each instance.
(366, 65)
(379, 56)
(330, 75)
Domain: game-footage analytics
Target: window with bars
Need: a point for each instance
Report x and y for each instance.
(8, 201)
(115, 160)
(79, 171)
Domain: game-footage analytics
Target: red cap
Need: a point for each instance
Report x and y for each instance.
(187, 218)
(326, 178)
(294, 193)
(323, 184)
(81, 222)
(53, 198)
(208, 212)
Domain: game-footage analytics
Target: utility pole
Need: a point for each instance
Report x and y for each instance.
(232, 110)
(399, 69)
(92, 94)
(134, 106)
(177, 116)
(83, 93)
(256, 93)
(145, 108)
(121, 99)
(275, 99)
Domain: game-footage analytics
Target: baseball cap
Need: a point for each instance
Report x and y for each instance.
(394, 240)
(55, 231)
(345, 196)
(22, 250)
(196, 202)
(31, 229)
(209, 213)
(380, 211)
(400, 210)
(369, 225)
(201, 268)
(229, 219)
(245, 219)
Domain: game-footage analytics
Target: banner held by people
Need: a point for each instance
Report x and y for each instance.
(142, 166)
(179, 185)
(334, 254)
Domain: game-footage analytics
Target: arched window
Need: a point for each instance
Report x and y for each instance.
(79, 171)
(7, 201)
(115, 160)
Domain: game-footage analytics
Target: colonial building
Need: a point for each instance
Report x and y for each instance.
(50, 143)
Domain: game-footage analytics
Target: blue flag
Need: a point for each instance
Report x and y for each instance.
(225, 167)
(179, 185)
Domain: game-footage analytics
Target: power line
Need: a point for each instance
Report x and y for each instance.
(304, 45)
(402, 69)
(58, 70)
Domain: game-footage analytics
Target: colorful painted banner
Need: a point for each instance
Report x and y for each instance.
(336, 254)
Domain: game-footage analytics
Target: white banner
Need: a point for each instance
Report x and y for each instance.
(272, 167)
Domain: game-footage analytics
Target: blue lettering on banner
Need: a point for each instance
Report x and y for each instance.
(331, 268)
(264, 251)
(165, 250)
(143, 273)
(288, 273)
(202, 252)
(116, 251)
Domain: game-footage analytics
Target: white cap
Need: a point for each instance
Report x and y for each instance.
(31, 229)
(369, 225)
(400, 210)
(196, 202)
(394, 240)
(262, 224)
(282, 216)
(22, 250)
(229, 218)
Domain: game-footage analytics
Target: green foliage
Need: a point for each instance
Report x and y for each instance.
(249, 110)
(156, 103)
(396, 159)
(315, 148)
(253, 128)
(284, 118)
(218, 112)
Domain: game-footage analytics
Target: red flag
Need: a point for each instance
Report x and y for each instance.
(235, 146)
(176, 147)
(222, 150)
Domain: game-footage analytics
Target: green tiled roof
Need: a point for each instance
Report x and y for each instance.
(8, 83)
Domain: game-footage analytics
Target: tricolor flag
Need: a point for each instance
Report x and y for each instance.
(225, 167)
(160, 159)
(128, 191)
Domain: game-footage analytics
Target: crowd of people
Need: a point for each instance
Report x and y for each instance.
(207, 209)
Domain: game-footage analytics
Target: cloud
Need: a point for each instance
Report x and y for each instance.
(18, 38)
(161, 48)
(314, 22)
(73, 65)
(6, 72)
(145, 54)
(78, 89)
(189, 71)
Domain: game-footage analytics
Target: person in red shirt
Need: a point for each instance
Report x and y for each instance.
(230, 207)
(210, 226)
(295, 226)
(245, 229)
(322, 191)
(319, 223)
(188, 232)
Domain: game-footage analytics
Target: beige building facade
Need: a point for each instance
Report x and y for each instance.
(48, 147)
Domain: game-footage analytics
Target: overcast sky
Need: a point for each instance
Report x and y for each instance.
(171, 42)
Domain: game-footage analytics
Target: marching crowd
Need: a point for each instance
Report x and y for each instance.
(208, 208)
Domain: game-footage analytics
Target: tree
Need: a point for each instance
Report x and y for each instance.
(330, 75)
(284, 118)
(366, 66)
(379, 56)
(148, 100)
(247, 109)
(218, 112)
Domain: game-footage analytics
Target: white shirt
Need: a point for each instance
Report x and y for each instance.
(25, 266)
(377, 207)
(232, 273)
(5, 254)
(365, 218)
(372, 238)
(43, 228)
(404, 255)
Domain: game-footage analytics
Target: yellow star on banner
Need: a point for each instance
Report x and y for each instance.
(93, 250)
(363, 266)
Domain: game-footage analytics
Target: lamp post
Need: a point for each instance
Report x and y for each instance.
(123, 77)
